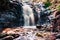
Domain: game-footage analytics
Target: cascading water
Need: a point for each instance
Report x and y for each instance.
(28, 15)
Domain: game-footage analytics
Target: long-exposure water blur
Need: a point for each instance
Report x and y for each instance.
(29, 19)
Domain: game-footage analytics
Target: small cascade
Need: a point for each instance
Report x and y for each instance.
(28, 15)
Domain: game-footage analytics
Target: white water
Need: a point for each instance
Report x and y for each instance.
(28, 15)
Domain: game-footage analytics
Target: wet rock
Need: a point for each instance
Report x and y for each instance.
(39, 35)
(15, 35)
(58, 37)
(8, 38)
(38, 27)
(3, 35)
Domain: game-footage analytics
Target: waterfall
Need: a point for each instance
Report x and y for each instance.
(28, 15)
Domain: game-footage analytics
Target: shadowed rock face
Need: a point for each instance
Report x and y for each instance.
(11, 15)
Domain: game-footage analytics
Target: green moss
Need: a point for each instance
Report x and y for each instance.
(58, 8)
(47, 4)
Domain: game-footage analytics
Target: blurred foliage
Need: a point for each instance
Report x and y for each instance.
(47, 3)
(58, 8)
